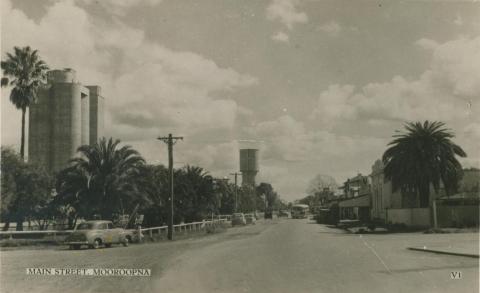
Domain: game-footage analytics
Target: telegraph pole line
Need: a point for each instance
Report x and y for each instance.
(170, 141)
(236, 188)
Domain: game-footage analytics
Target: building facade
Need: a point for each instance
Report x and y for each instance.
(355, 203)
(66, 116)
(404, 208)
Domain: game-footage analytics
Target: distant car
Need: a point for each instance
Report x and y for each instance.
(250, 219)
(282, 213)
(95, 234)
(238, 219)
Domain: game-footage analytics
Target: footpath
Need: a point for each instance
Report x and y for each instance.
(453, 245)
(464, 244)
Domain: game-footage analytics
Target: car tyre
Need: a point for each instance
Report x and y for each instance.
(126, 242)
(96, 244)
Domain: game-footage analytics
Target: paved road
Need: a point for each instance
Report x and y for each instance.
(297, 256)
(276, 256)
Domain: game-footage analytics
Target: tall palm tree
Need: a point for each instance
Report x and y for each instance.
(27, 73)
(421, 157)
(194, 196)
(103, 179)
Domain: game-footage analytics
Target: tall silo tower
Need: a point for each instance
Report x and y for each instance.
(248, 166)
(63, 118)
(97, 103)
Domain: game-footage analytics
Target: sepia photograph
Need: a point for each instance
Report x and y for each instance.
(200, 146)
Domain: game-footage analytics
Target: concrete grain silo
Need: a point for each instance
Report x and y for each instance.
(85, 117)
(96, 113)
(60, 121)
(40, 130)
(248, 166)
(67, 122)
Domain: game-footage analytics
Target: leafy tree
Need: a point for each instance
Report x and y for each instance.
(421, 157)
(320, 182)
(152, 181)
(248, 200)
(27, 72)
(270, 196)
(26, 190)
(101, 180)
(227, 197)
(10, 165)
(194, 196)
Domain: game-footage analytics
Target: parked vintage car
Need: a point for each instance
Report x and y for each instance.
(282, 213)
(238, 219)
(98, 233)
(250, 219)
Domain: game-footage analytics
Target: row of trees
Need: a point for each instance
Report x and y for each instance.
(107, 180)
(26, 190)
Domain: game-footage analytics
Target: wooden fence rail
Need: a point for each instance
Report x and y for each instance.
(187, 227)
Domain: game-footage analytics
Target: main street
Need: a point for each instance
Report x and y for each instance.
(274, 256)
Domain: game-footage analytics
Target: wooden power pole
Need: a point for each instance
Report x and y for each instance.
(170, 141)
(236, 192)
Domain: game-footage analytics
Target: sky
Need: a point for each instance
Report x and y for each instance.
(319, 87)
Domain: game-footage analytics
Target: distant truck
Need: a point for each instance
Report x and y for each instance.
(299, 211)
(95, 234)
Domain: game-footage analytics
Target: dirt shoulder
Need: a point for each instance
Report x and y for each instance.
(156, 256)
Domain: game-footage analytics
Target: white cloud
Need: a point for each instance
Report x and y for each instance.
(120, 7)
(473, 131)
(287, 139)
(332, 28)
(440, 93)
(280, 37)
(448, 91)
(458, 20)
(149, 89)
(290, 153)
(335, 103)
(456, 64)
(285, 11)
(427, 44)
(284, 138)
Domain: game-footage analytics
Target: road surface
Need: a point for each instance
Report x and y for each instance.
(275, 256)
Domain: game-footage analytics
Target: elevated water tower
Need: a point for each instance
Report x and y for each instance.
(248, 166)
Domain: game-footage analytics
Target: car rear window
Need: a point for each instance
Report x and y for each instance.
(85, 226)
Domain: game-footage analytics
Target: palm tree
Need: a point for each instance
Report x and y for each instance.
(27, 72)
(194, 196)
(421, 157)
(102, 180)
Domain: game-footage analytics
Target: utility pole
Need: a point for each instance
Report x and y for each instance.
(170, 141)
(236, 192)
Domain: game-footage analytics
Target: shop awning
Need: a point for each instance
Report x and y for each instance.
(359, 201)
